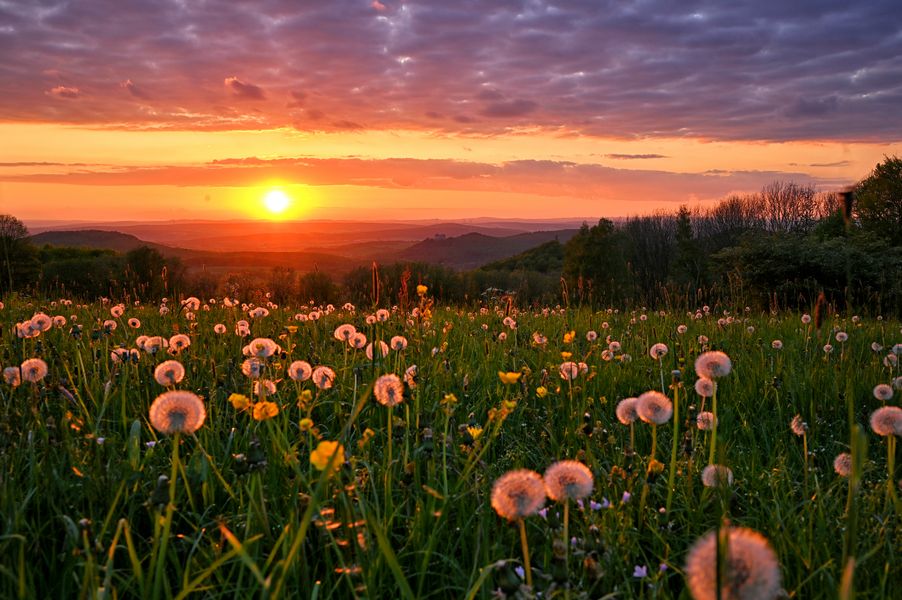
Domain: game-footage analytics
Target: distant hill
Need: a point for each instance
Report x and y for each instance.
(219, 262)
(309, 252)
(296, 236)
(547, 258)
(474, 249)
(94, 238)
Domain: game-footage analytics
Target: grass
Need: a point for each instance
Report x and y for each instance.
(244, 513)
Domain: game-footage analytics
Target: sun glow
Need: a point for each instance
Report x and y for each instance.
(276, 201)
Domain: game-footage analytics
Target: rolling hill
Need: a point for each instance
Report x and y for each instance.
(474, 249)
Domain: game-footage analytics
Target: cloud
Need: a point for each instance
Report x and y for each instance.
(244, 90)
(133, 89)
(62, 91)
(585, 182)
(509, 108)
(634, 156)
(768, 70)
(839, 163)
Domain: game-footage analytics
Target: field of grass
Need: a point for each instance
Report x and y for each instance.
(97, 503)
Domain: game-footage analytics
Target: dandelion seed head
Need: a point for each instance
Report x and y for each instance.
(169, 372)
(751, 572)
(654, 407)
(626, 410)
(713, 364)
(262, 348)
(717, 476)
(34, 370)
(12, 376)
(568, 480)
(382, 350)
(705, 420)
(264, 387)
(798, 426)
(842, 464)
(344, 332)
(518, 494)
(177, 411)
(179, 342)
(658, 351)
(323, 377)
(252, 368)
(388, 390)
(883, 392)
(887, 421)
(568, 370)
(705, 387)
(300, 370)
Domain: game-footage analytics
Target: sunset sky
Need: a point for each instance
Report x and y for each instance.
(128, 110)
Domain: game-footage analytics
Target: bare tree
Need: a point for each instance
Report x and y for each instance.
(13, 238)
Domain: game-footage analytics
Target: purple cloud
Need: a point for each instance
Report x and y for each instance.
(770, 70)
(634, 156)
(63, 91)
(245, 90)
(593, 184)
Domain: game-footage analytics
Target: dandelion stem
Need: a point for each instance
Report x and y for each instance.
(713, 428)
(567, 547)
(167, 521)
(525, 545)
(673, 446)
(805, 459)
(891, 473)
(661, 369)
(388, 467)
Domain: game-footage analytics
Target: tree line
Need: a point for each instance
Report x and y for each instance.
(780, 247)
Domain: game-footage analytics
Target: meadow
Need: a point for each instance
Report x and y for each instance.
(289, 480)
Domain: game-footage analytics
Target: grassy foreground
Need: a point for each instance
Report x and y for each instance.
(96, 503)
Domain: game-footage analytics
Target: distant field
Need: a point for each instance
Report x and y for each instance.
(99, 502)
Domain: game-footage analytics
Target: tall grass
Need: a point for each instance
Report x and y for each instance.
(242, 512)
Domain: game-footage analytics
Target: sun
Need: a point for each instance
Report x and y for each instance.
(276, 201)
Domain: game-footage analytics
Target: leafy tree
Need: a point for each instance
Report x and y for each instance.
(18, 255)
(879, 200)
(149, 274)
(83, 272)
(318, 287)
(594, 260)
(689, 266)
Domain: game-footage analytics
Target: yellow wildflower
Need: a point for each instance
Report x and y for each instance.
(566, 355)
(541, 391)
(292, 328)
(239, 401)
(421, 290)
(509, 378)
(655, 466)
(367, 436)
(306, 424)
(304, 399)
(324, 452)
(474, 431)
(265, 410)
(569, 337)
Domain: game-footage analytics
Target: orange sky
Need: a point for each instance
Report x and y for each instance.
(121, 175)
(360, 109)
